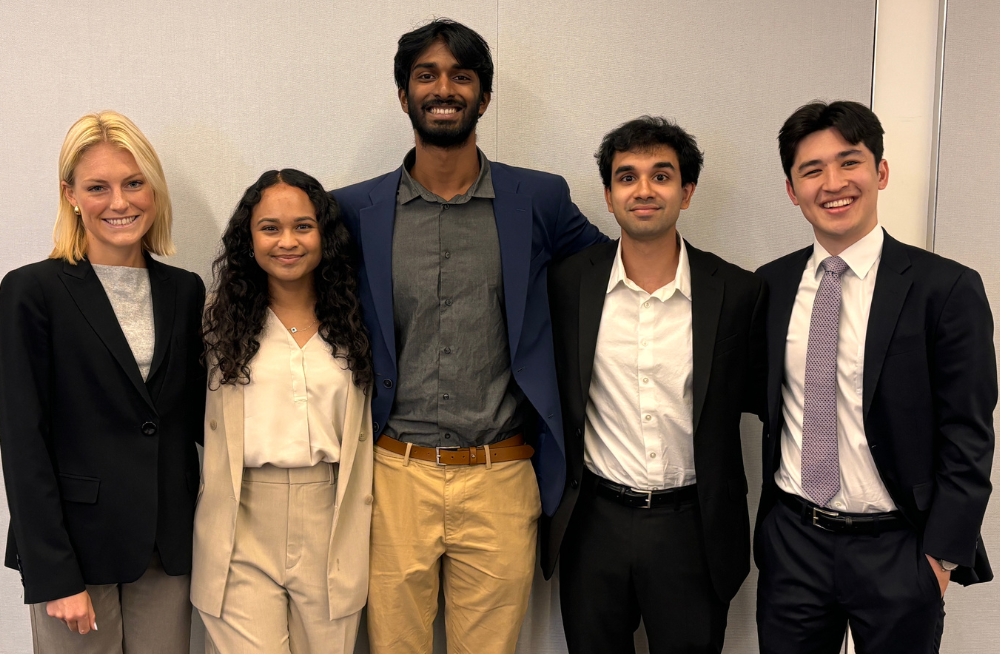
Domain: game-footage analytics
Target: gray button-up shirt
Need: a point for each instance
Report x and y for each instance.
(454, 385)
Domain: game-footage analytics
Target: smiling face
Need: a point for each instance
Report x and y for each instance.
(443, 101)
(116, 204)
(836, 185)
(286, 238)
(646, 195)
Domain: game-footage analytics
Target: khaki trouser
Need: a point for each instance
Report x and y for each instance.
(151, 615)
(472, 526)
(276, 599)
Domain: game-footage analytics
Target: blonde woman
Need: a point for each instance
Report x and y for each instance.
(101, 406)
(282, 526)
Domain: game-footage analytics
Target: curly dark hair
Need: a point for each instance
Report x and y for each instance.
(237, 307)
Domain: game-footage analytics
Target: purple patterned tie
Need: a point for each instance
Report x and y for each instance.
(820, 460)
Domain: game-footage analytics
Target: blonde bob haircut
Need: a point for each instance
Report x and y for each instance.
(109, 127)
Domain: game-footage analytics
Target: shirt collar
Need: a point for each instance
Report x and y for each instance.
(410, 188)
(859, 257)
(681, 283)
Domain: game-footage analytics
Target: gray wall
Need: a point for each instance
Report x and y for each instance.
(967, 229)
(227, 89)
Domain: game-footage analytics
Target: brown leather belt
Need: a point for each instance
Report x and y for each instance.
(509, 449)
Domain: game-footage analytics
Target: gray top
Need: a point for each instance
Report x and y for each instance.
(131, 298)
(455, 387)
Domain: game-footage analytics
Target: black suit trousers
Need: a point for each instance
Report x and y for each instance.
(621, 564)
(813, 583)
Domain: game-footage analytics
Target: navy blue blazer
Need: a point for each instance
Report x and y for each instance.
(536, 223)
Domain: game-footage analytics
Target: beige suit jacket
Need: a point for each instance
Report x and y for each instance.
(219, 501)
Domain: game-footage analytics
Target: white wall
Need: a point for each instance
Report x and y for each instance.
(228, 89)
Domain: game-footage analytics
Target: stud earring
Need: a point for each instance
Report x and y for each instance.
(76, 210)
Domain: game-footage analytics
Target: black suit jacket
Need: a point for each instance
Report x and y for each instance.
(929, 390)
(728, 310)
(99, 466)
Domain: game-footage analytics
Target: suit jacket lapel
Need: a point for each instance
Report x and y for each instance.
(377, 222)
(593, 291)
(232, 415)
(164, 294)
(782, 301)
(86, 290)
(891, 287)
(513, 214)
(706, 306)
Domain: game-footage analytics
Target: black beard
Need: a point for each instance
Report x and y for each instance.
(442, 137)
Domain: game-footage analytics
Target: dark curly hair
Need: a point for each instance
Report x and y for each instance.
(238, 304)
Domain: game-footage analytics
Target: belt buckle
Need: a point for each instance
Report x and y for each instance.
(437, 452)
(649, 499)
(817, 511)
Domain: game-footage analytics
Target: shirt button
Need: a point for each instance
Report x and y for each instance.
(642, 342)
(652, 455)
(447, 350)
(445, 396)
(445, 207)
(447, 254)
(645, 380)
(839, 505)
(447, 302)
(447, 435)
(647, 417)
(646, 304)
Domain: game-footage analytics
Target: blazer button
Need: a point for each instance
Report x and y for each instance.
(375, 428)
(213, 425)
(149, 428)
(575, 483)
(368, 499)
(387, 383)
(362, 436)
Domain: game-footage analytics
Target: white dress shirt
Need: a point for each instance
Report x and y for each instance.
(861, 487)
(638, 429)
(296, 402)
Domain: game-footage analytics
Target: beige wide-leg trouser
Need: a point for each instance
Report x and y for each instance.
(151, 615)
(276, 599)
(472, 526)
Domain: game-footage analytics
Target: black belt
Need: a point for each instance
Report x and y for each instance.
(642, 499)
(840, 522)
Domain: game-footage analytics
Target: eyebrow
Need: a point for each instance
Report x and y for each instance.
(275, 220)
(91, 180)
(627, 168)
(840, 155)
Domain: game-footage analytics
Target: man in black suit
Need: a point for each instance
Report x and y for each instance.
(655, 352)
(881, 389)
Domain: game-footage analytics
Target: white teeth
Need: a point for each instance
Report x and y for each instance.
(443, 110)
(121, 222)
(838, 203)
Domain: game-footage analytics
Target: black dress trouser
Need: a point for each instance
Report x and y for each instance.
(813, 583)
(619, 564)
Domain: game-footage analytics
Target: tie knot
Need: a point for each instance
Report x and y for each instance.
(834, 265)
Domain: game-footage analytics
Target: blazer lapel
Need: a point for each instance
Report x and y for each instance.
(891, 287)
(593, 291)
(513, 214)
(232, 414)
(377, 222)
(349, 446)
(782, 301)
(86, 290)
(707, 293)
(164, 295)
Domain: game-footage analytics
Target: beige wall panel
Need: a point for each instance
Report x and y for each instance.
(968, 230)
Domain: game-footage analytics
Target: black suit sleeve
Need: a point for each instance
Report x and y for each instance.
(964, 387)
(48, 561)
(755, 394)
(198, 364)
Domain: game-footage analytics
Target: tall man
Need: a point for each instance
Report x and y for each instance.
(881, 388)
(455, 250)
(659, 347)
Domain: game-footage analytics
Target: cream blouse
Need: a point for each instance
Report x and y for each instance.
(296, 402)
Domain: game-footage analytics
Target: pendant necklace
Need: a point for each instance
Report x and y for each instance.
(295, 330)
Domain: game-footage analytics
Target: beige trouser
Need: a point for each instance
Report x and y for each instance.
(151, 615)
(276, 599)
(472, 526)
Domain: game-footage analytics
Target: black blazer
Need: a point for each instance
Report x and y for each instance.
(929, 389)
(99, 467)
(728, 309)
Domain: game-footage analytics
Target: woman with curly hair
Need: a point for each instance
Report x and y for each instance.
(282, 523)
